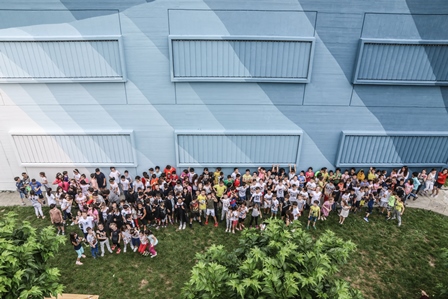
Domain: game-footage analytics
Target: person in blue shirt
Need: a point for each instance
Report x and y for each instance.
(20, 185)
(36, 187)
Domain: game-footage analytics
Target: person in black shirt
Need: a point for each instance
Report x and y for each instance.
(77, 245)
(115, 236)
(101, 179)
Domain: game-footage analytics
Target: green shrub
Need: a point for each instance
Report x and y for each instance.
(24, 252)
(279, 262)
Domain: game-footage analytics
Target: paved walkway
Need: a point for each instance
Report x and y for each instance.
(438, 204)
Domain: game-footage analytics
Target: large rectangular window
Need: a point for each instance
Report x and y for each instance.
(402, 62)
(47, 60)
(237, 148)
(241, 59)
(94, 149)
(393, 149)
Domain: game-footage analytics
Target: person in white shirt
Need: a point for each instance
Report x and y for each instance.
(113, 187)
(316, 195)
(293, 193)
(125, 185)
(235, 173)
(225, 206)
(114, 174)
(85, 222)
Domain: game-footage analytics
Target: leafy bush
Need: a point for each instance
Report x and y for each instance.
(279, 262)
(24, 252)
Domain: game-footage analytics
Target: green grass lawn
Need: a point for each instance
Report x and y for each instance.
(390, 262)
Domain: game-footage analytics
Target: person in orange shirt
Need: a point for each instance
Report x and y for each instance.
(154, 181)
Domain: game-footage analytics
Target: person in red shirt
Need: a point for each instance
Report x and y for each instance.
(441, 179)
(169, 170)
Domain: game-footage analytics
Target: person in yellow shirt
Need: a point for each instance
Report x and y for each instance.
(399, 210)
(314, 214)
(216, 175)
(202, 199)
(361, 175)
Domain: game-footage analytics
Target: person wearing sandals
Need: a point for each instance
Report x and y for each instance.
(77, 245)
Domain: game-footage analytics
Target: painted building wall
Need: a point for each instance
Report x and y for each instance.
(143, 107)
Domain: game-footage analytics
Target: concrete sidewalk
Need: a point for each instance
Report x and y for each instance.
(438, 204)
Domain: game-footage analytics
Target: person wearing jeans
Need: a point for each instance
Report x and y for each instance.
(93, 242)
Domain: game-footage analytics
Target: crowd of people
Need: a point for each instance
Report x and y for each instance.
(124, 210)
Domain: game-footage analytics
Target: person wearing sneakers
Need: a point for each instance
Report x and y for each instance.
(391, 204)
(115, 237)
(441, 180)
(93, 242)
(194, 212)
(210, 209)
(85, 222)
(101, 235)
(77, 245)
(370, 203)
(181, 213)
(56, 218)
(314, 214)
(152, 244)
(399, 210)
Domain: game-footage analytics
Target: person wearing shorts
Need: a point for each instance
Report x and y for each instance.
(56, 218)
(314, 214)
(77, 245)
(391, 204)
(441, 179)
(210, 211)
(194, 212)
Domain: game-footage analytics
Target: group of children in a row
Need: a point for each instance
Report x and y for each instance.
(162, 198)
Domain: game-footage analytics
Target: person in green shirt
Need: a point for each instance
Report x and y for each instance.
(399, 210)
(391, 204)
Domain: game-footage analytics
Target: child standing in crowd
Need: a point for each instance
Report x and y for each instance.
(101, 235)
(56, 219)
(229, 220)
(20, 185)
(126, 236)
(85, 222)
(51, 198)
(345, 209)
(36, 202)
(256, 213)
(93, 242)
(115, 237)
(210, 210)
(314, 214)
(326, 208)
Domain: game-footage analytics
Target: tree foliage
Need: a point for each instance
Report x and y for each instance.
(279, 262)
(24, 253)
